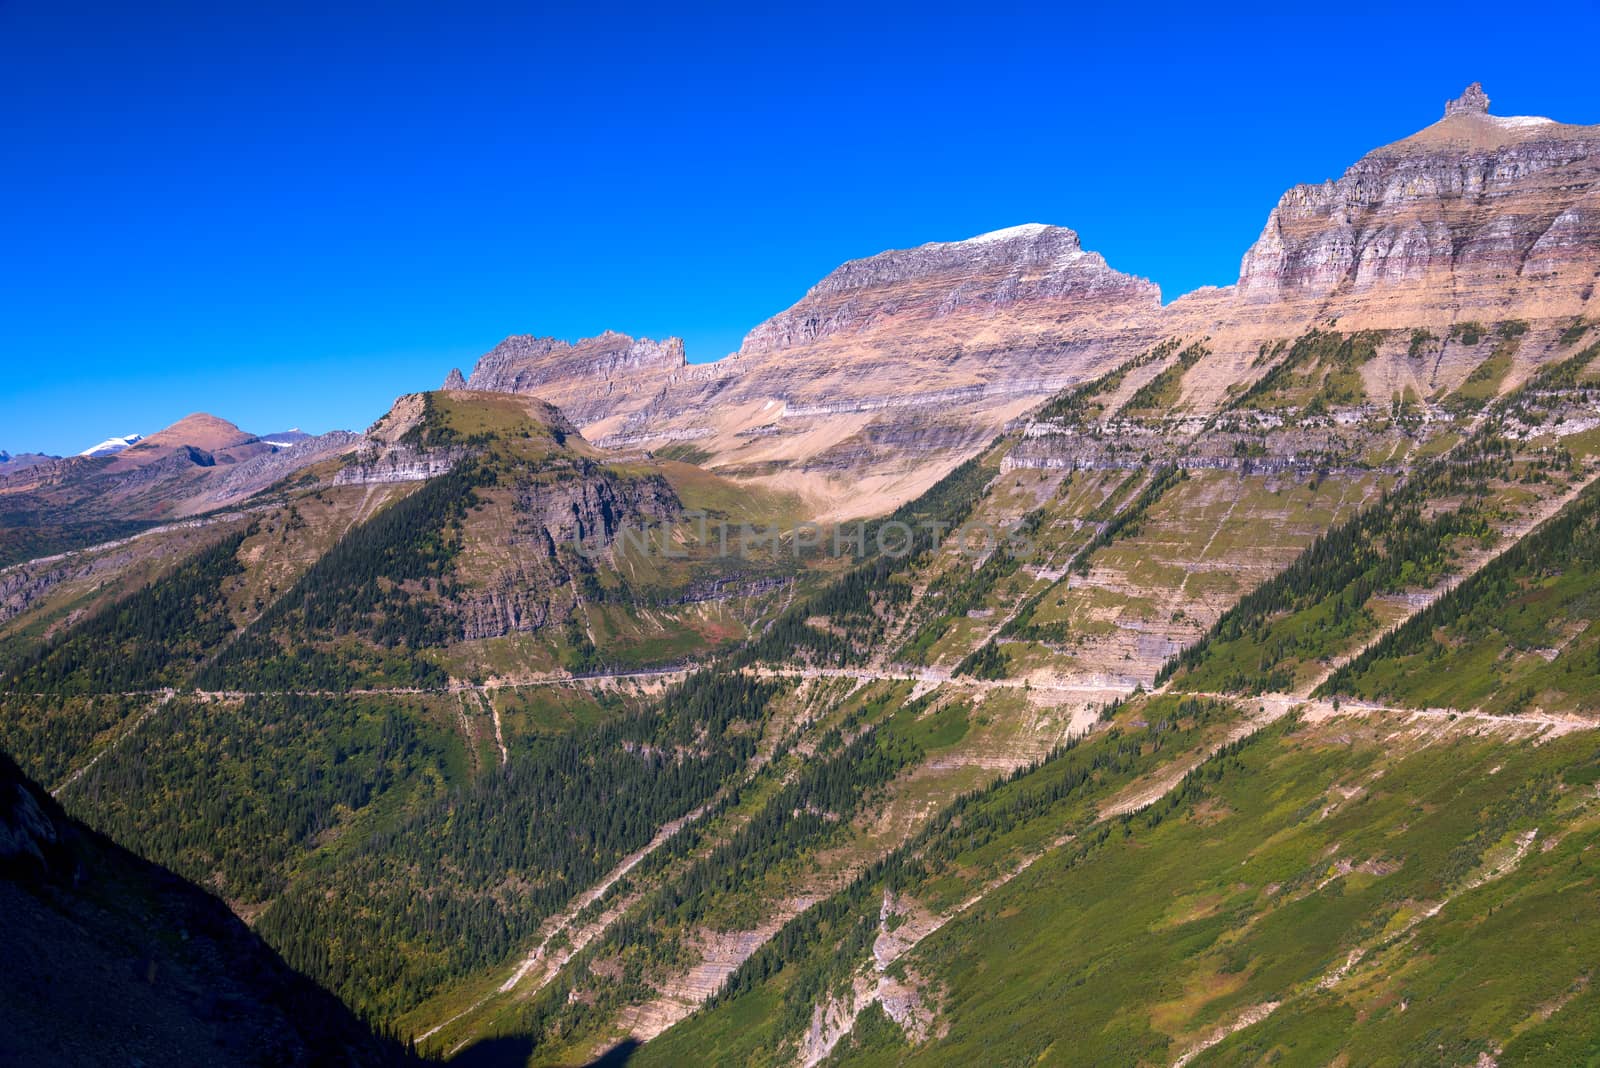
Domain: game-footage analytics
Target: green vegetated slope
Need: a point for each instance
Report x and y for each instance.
(112, 959)
(388, 845)
(306, 804)
(380, 850)
(934, 605)
(843, 623)
(240, 794)
(155, 638)
(759, 846)
(1353, 580)
(983, 837)
(458, 882)
(849, 774)
(1514, 636)
(1162, 392)
(1320, 371)
(1402, 897)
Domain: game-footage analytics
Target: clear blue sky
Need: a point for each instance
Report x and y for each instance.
(287, 217)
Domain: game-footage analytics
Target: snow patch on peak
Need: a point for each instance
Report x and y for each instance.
(111, 445)
(1518, 122)
(1008, 234)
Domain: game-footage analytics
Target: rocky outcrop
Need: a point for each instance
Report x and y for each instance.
(587, 379)
(522, 363)
(23, 585)
(557, 522)
(375, 465)
(1472, 102)
(516, 600)
(591, 508)
(454, 379)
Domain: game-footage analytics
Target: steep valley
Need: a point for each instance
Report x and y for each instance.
(1208, 682)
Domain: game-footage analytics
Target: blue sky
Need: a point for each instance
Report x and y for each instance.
(286, 216)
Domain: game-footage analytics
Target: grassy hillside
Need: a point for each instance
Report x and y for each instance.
(1340, 880)
(482, 727)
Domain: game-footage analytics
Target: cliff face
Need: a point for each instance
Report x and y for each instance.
(1476, 211)
(1026, 267)
(530, 583)
(586, 379)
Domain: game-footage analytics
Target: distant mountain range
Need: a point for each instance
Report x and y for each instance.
(199, 464)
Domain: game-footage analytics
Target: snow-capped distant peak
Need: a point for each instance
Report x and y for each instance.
(111, 445)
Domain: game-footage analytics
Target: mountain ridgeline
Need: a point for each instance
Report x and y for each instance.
(986, 660)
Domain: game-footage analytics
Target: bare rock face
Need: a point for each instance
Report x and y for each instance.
(1028, 265)
(1474, 212)
(553, 518)
(583, 379)
(372, 467)
(521, 362)
(454, 379)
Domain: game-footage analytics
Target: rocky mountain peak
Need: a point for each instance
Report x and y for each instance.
(1054, 248)
(455, 380)
(1472, 102)
(1023, 266)
(1455, 209)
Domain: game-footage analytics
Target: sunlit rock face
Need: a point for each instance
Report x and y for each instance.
(1475, 214)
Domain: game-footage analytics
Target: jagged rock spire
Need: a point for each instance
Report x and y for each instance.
(454, 379)
(1472, 102)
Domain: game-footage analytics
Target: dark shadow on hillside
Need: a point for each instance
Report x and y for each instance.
(617, 1055)
(509, 1052)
